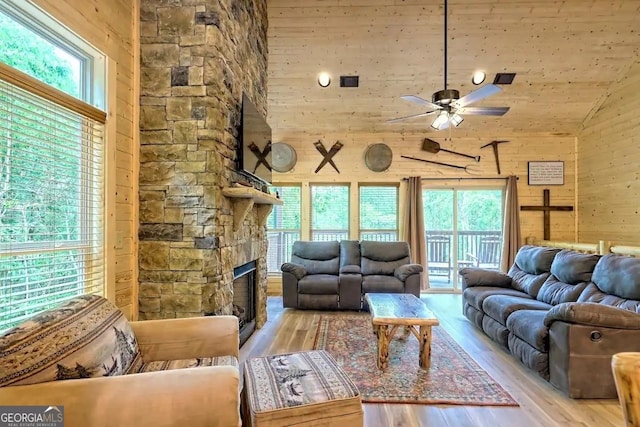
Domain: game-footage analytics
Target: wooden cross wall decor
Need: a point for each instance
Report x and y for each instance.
(546, 208)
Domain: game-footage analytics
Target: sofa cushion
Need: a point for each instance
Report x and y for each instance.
(528, 325)
(320, 284)
(349, 253)
(499, 307)
(317, 257)
(593, 294)
(84, 338)
(472, 276)
(574, 267)
(556, 292)
(166, 365)
(535, 259)
(385, 251)
(383, 257)
(386, 268)
(530, 357)
(495, 330)
(377, 283)
(527, 282)
(618, 275)
(476, 295)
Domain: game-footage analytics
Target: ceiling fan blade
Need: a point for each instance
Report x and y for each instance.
(476, 95)
(399, 119)
(483, 111)
(421, 101)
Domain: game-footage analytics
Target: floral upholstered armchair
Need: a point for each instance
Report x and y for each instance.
(106, 371)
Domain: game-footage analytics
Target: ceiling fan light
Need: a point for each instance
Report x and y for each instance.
(442, 118)
(456, 119)
(478, 77)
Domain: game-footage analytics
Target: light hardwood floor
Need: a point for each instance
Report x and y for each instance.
(540, 404)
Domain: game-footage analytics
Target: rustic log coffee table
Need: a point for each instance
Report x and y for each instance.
(388, 311)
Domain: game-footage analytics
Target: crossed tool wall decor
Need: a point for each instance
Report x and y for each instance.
(328, 155)
(261, 155)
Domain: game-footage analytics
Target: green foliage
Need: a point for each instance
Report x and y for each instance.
(21, 48)
(379, 208)
(478, 210)
(438, 209)
(330, 207)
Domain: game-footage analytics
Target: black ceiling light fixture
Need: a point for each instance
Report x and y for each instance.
(448, 105)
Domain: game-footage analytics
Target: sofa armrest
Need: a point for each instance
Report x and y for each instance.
(297, 270)
(401, 273)
(593, 314)
(350, 269)
(193, 337)
(194, 397)
(481, 277)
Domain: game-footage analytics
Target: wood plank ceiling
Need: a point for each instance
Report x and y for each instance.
(565, 53)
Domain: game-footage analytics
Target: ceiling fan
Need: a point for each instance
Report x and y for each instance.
(447, 103)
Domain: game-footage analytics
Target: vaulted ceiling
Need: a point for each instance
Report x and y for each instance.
(566, 55)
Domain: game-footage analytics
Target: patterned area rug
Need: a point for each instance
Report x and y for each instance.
(454, 377)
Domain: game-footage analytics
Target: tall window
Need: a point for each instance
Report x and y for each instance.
(283, 227)
(329, 212)
(51, 166)
(379, 213)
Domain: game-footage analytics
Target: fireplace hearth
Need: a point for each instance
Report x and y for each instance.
(244, 299)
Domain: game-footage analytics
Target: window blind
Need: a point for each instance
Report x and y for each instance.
(51, 200)
(283, 227)
(379, 213)
(329, 212)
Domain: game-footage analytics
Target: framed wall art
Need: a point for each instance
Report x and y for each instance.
(546, 173)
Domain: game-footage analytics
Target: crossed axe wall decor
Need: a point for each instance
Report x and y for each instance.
(328, 155)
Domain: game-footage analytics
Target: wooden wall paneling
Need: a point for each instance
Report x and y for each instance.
(514, 156)
(111, 26)
(608, 158)
(566, 55)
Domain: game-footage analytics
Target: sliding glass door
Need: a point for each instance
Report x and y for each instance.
(463, 229)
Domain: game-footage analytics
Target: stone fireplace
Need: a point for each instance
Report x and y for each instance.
(197, 58)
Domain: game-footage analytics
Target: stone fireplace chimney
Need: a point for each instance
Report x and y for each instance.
(197, 58)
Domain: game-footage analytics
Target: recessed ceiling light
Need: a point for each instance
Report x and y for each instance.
(324, 79)
(478, 77)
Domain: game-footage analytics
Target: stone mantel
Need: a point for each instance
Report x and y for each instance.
(245, 199)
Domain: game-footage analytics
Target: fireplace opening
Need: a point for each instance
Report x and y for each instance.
(244, 299)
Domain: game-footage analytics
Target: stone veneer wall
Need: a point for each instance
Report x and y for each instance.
(197, 58)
